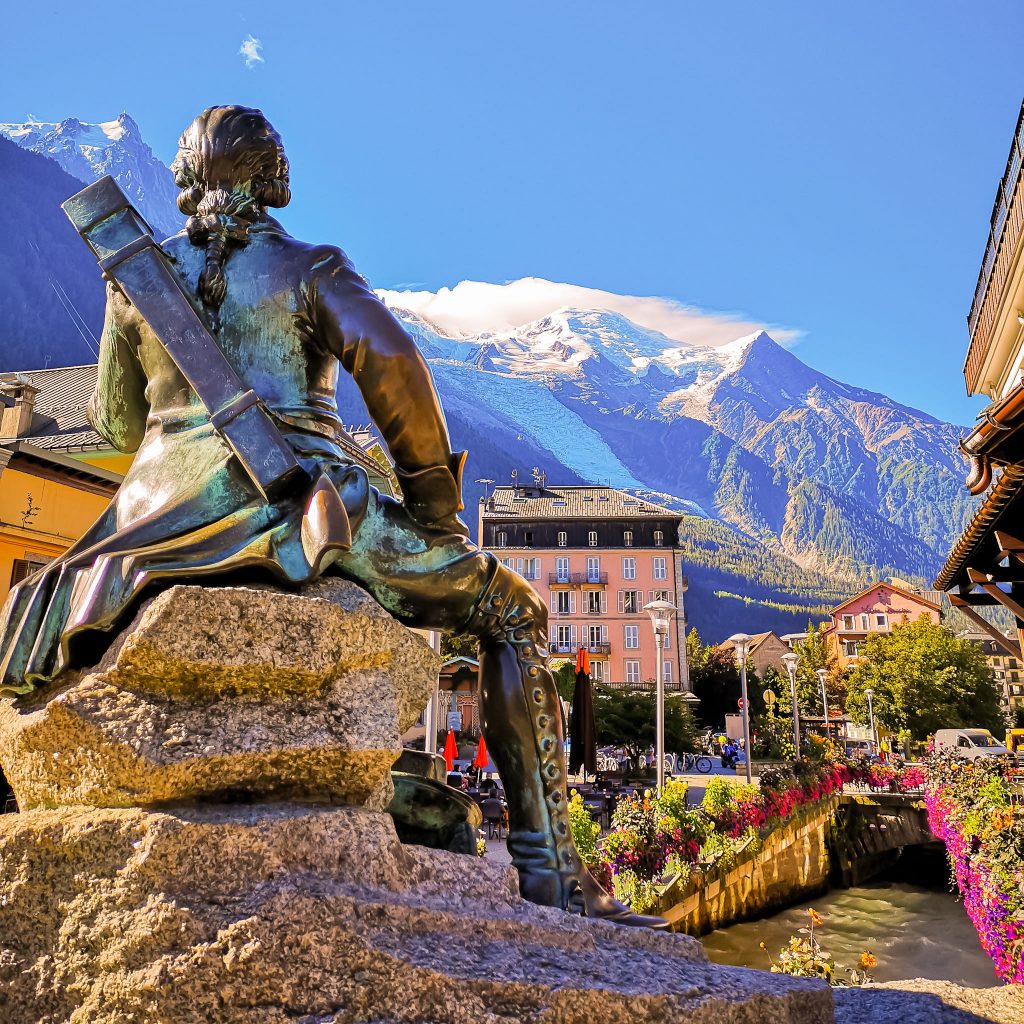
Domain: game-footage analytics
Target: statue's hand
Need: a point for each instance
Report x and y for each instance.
(433, 496)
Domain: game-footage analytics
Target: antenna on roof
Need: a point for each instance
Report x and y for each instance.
(486, 483)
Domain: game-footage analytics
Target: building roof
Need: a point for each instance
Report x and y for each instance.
(60, 422)
(534, 502)
(42, 462)
(59, 417)
(755, 641)
(977, 547)
(890, 586)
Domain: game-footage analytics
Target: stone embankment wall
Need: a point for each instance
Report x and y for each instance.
(791, 864)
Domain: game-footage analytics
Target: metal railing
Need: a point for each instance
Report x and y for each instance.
(573, 648)
(1005, 229)
(568, 579)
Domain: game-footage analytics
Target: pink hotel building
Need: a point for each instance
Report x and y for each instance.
(597, 555)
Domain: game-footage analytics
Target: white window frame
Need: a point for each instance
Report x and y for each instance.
(848, 623)
(635, 601)
(562, 569)
(667, 670)
(632, 669)
(597, 671)
(502, 539)
(881, 620)
(629, 568)
(593, 568)
(659, 566)
(659, 538)
(865, 622)
(563, 538)
(596, 603)
(631, 637)
(592, 539)
(627, 538)
(563, 599)
(531, 568)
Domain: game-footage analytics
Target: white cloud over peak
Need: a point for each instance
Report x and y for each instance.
(474, 307)
(250, 51)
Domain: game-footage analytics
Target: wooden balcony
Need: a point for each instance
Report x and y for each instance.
(1004, 239)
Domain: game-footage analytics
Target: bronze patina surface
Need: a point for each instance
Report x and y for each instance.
(288, 316)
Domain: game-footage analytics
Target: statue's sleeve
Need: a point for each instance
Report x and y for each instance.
(385, 363)
(119, 409)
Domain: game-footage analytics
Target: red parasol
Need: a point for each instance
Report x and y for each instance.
(481, 759)
(451, 750)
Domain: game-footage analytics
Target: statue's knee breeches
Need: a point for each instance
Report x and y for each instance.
(510, 609)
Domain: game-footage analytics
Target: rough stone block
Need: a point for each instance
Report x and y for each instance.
(298, 913)
(222, 693)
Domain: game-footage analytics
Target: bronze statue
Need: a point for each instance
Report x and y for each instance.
(285, 314)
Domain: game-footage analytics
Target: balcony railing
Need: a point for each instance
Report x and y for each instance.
(573, 648)
(575, 579)
(647, 685)
(1004, 236)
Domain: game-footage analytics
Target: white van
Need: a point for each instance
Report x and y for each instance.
(969, 743)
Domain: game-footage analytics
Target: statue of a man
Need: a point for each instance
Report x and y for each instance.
(286, 315)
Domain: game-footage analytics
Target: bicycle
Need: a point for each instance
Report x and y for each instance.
(700, 762)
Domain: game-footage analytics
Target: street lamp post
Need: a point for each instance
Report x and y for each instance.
(661, 613)
(869, 693)
(790, 661)
(822, 675)
(741, 641)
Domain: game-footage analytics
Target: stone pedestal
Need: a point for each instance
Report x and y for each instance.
(224, 693)
(202, 841)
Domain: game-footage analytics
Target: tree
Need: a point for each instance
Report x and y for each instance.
(813, 653)
(924, 678)
(626, 718)
(715, 679)
(564, 674)
(453, 646)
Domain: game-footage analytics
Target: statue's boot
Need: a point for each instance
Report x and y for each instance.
(522, 724)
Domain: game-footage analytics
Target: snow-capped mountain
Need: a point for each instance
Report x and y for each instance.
(837, 478)
(88, 151)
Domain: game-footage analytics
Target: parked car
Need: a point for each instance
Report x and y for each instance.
(858, 748)
(969, 743)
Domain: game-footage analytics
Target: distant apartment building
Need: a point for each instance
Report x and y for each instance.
(1007, 669)
(597, 555)
(985, 569)
(876, 610)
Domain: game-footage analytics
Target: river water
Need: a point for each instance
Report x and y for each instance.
(914, 932)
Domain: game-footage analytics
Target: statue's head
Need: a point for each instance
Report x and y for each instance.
(231, 150)
(230, 167)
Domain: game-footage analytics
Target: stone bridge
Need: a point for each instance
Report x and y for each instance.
(870, 831)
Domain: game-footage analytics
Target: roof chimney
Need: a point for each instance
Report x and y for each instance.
(19, 394)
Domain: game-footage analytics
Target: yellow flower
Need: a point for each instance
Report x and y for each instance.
(814, 915)
(867, 961)
(762, 945)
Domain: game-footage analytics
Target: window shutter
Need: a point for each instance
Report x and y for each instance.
(622, 601)
(572, 602)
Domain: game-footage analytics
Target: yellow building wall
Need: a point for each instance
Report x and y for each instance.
(64, 514)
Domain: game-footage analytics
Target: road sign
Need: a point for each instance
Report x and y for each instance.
(769, 697)
(739, 703)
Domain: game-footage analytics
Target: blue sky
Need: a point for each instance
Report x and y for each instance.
(828, 168)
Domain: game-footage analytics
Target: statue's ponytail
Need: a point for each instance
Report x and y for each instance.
(230, 167)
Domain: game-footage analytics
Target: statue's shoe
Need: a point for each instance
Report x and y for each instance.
(599, 904)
